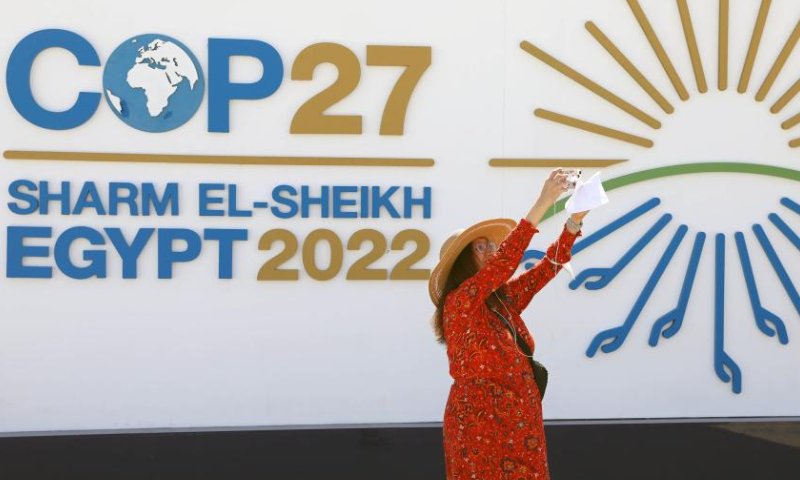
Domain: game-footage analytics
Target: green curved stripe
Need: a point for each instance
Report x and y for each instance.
(690, 168)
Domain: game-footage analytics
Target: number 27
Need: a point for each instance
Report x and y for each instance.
(311, 117)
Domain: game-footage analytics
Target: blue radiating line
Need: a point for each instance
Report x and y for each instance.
(669, 324)
(599, 234)
(618, 335)
(791, 205)
(721, 359)
(607, 274)
(785, 229)
(778, 266)
(761, 314)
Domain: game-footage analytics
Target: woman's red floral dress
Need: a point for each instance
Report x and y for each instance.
(493, 420)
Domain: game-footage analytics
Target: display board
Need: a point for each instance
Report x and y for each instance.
(222, 214)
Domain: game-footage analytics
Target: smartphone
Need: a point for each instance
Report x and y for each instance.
(572, 176)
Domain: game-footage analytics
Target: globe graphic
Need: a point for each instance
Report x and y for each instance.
(153, 83)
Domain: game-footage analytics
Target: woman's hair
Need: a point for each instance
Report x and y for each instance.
(463, 268)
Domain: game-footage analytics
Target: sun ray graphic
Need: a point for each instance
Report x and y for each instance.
(651, 212)
(722, 50)
(779, 63)
(590, 85)
(691, 42)
(629, 67)
(755, 41)
(659, 49)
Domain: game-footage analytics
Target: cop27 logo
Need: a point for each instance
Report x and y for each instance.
(669, 323)
(154, 83)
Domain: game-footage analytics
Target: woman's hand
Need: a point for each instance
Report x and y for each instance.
(577, 217)
(577, 220)
(554, 186)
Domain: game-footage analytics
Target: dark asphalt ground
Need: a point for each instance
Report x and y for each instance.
(597, 452)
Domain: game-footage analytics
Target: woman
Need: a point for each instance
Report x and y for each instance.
(493, 420)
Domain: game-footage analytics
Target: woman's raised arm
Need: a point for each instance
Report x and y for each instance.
(521, 290)
(500, 267)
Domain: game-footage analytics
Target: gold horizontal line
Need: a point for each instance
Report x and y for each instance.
(554, 162)
(217, 159)
(593, 128)
(795, 143)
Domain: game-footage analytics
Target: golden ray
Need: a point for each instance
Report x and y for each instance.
(629, 67)
(755, 40)
(590, 85)
(691, 42)
(791, 122)
(722, 75)
(658, 49)
(593, 128)
(779, 63)
(786, 98)
(795, 143)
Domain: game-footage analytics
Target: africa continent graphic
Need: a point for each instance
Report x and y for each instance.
(153, 83)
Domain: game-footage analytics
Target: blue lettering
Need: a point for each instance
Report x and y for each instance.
(96, 258)
(115, 197)
(45, 197)
(129, 252)
(364, 201)
(16, 252)
(167, 256)
(306, 200)
(278, 198)
(220, 88)
(150, 197)
(232, 211)
(383, 201)
(410, 201)
(18, 74)
(206, 200)
(89, 198)
(339, 202)
(15, 191)
(226, 237)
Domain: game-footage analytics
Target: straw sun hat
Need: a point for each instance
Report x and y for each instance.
(495, 229)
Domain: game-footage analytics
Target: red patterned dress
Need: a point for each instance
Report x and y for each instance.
(493, 420)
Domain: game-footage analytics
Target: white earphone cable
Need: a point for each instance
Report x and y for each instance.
(508, 322)
(511, 327)
(558, 244)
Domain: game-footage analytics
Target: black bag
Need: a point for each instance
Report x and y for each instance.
(540, 376)
(540, 373)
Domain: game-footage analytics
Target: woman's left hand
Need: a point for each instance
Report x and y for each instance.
(578, 216)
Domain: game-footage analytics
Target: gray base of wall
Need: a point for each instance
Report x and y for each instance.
(685, 451)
